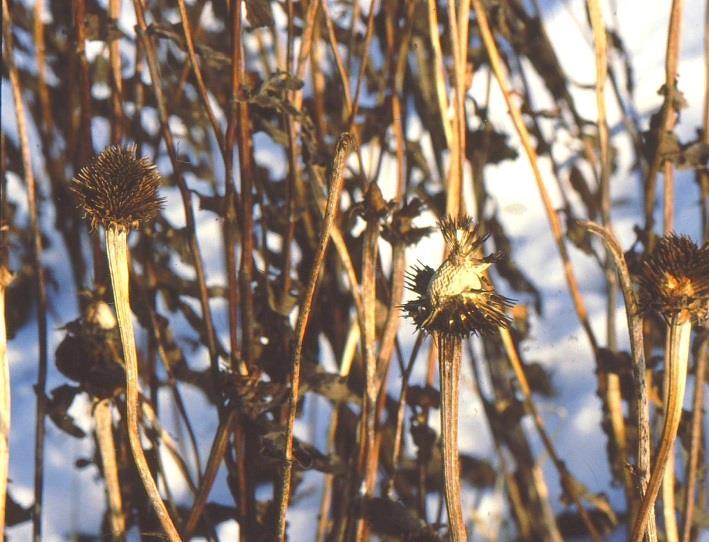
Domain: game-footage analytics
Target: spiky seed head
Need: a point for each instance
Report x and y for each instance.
(674, 279)
(117, 189)
(457, 299)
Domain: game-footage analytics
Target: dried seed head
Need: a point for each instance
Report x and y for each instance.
(457, 299)
(674, 279)
(117, 189)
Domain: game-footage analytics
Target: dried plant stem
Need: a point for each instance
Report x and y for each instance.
(667, 122)
(635, 326)
(107, 449)
(186, 196)
(40, 286)
(336, 182)
(216, 456)
(369, 410)
(5, 280)
(568, 483)
(695, 439)
(523, 133)
(613, 385)
(676, 358)
(449, 360)
(117, 251)
(439, 81)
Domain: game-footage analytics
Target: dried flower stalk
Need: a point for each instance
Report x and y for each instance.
(454, 301)
(120, 192)
(5, 280)
(674, 280)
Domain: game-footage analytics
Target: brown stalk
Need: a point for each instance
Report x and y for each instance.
(150, 54)
(5, 280)
(676, 357)
(336, 182)
(114, 50)
(695, 440)
(666, 124)
(613, 394)
(369, 301)
(635, 327)
(107, 449)
(439, 77)
(671, 61)
(201, 87)
(216, 456)
(523, 133)
(40, 286)
(568, 483)
(449, 361)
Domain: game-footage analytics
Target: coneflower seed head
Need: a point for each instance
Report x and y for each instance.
(117, 189)
(674, 279)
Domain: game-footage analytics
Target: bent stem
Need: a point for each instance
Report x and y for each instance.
(676, 356)
(449, 360)
(117, 250)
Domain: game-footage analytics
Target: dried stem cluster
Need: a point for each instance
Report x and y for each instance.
(237, 298)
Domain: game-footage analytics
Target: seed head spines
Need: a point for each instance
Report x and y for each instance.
(457, 299)
(117, 189)
(674, 279)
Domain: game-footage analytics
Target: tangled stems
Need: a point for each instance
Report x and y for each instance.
(117, 250)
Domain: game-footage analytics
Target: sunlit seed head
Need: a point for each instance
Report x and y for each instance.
(117, 189)
(674, 279)
(457, 299)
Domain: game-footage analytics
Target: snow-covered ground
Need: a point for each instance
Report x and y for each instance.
(74, 497)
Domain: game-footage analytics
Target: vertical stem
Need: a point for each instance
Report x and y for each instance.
(107, 449)
(696, 439)
(613, 385)
(5, 280)
(676, 356)
(117, 251)
(449, 361)
(39, 272)
(342, 151)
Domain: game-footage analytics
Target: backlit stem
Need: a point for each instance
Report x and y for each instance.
(117, 250)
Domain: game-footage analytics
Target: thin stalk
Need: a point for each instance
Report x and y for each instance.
(216, 456)
(613, 394)
(114, 51)
(117, 252)
(676, 357)
(667, 121)
(552, 215)
(336, 184)
(567, 481)
(369, 408)
(450, 350)
(637, 348)
(107, 449)
(185, 194)
(5, 413)
(40, 286)
(695, 440)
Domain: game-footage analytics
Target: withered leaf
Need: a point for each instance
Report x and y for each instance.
(58, 407)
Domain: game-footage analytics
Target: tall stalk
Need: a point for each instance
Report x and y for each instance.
(120, 191)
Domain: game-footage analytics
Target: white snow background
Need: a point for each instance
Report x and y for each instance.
(74, 498)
